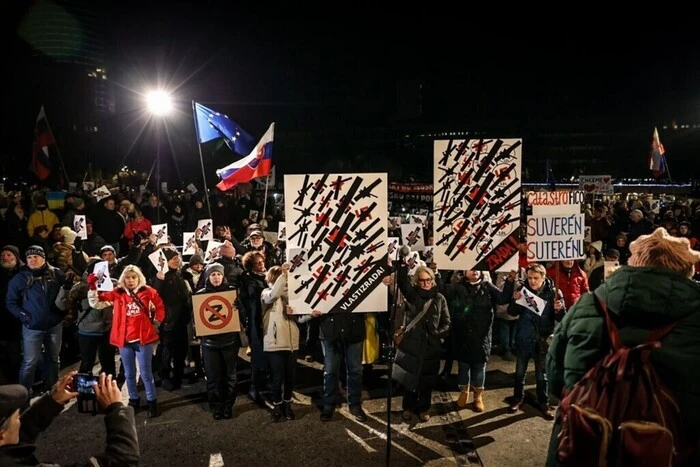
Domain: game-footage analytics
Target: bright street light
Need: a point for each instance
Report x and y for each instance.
(159, 102)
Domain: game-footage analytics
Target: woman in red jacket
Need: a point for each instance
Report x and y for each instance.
(138, 310)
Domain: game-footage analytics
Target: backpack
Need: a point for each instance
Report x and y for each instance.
(621, 413)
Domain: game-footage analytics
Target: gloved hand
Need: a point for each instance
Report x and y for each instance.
(68, 281)
(92, 281)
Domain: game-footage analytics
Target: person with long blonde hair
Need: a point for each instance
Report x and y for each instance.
(137, 313)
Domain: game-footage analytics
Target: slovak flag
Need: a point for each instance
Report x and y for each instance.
(257, 164)
(657, 158)
(43, 139)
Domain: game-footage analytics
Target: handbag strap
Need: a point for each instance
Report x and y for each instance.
(419, 316)
(138, 301)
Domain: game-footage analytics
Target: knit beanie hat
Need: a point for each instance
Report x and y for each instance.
(213, 267)
(108, 248)
(68, 235)
(169, 253)
(12, 249)
(77, 203)
(35, 250)
(661, 250)
(196, 259)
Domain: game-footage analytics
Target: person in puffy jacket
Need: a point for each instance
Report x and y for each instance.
(35, 297)
(219, 352)
(137, 312)
(280, 340)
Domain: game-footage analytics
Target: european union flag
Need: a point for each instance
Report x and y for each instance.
(211, 124)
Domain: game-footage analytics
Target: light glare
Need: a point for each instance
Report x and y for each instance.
(159, 102)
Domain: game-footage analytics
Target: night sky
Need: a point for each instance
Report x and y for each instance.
(315, 74)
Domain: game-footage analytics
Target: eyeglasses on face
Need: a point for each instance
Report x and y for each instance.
(423, 280)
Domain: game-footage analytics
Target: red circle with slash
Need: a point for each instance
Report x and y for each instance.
(207, 306)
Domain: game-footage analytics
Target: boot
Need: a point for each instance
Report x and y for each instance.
(463, 397)
(135, 403)
(287, 410)
(276, 414)
(152, 409)
(478, 401)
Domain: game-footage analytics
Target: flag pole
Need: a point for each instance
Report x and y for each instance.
(58, 152)
(668, 170)
(267, 182)
(201, 160)
(149, 173)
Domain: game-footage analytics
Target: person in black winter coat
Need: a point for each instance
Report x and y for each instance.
(18, 433)
(418, 355)
(172, 351)
(219, 353)
(10, 326)
(472, 301)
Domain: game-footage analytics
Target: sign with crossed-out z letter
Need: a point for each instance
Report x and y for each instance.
(215, 313)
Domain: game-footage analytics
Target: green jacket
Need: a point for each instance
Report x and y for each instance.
(644, 299)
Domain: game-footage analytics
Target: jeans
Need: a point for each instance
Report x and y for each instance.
(32, 342)
(130, 353)
(220, 367)
(90, 347)
(333, 351)
(471, 373)
(506, 335)
(521, 368)
(283, 369)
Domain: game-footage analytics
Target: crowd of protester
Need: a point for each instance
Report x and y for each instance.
(52, 307)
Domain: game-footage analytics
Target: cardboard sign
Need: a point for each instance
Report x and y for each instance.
(189, 243)
(596, 184)
(104, 282)
(80, 226)
(161, 233)
(206, 229)
(158, 260)
(531, 301)
(555, 237)
(101, 193)
(215, 313)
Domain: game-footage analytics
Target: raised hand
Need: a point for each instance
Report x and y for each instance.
(62, 391)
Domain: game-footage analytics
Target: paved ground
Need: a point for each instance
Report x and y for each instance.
(185, 434)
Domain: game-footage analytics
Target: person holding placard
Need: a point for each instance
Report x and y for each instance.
(539, 308)
(219, 352)
(137, 313)
(280, 340)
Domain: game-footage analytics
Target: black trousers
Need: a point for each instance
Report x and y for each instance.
(173, 351)
(220, 367)
(283, 372)
(92, 346)
(312, 337)
(419, 400)
(10, 361)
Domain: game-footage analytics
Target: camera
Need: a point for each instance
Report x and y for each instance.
(82, 382)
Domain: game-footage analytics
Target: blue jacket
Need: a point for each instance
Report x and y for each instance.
(531, 326)
(35, 307)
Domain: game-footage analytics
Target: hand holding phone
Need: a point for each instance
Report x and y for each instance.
(83, 383)
(106, 391)
(64, 389)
